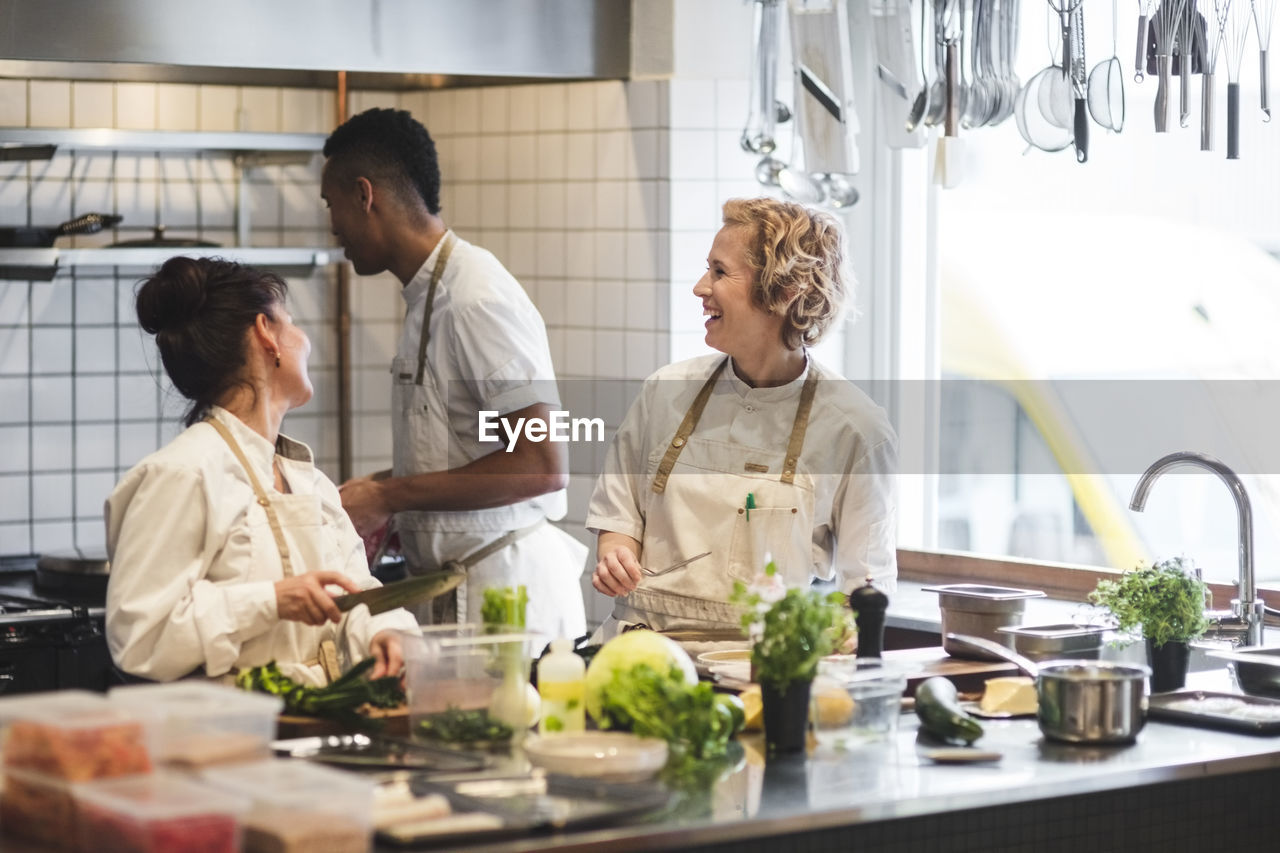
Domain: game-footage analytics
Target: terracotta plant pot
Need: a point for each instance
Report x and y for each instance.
(786, 716)
(1168, 665)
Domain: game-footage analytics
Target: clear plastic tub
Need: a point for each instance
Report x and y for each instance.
(201, 723)
(299, 806)
(158, 813)
(38, 808)
(75, 736)
(855, 701)
(468, 689)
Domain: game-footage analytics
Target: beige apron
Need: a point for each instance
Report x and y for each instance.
(700, 504)
(545, 559)
(305, 653)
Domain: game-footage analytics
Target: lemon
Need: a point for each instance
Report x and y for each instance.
(754, 707)
(832, 706)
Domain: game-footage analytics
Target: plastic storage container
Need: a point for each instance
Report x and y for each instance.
(855, 701)
(468, 689)
(39, 809)
(158, 813)
(298, 807)
(562, 687)
(75, 736)
(200, 723)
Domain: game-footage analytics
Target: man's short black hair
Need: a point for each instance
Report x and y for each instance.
(390, 147)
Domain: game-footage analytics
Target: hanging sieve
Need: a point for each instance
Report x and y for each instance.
(1106, 85)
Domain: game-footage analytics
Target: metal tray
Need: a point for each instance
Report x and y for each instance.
(375, 752)
(1181, 706)
(528, 804)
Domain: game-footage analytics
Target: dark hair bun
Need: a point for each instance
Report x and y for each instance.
(173, 297)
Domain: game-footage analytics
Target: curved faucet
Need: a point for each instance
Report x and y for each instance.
(1244, 620)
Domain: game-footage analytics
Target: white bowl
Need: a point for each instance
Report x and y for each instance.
(610, 756)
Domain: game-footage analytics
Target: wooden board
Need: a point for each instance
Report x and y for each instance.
(969, 676)
(395, 724)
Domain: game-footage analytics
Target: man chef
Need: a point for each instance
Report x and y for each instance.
(471, 342)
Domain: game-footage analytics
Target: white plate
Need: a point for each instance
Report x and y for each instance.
(737, 671)
(724, 656)
(610, 756)
(961, 755)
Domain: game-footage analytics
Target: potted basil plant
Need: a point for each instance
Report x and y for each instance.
(791, 630)
(1165, 603)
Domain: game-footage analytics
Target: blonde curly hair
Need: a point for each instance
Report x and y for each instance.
(796, 255)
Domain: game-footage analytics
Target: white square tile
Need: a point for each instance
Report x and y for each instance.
(264, 207)
(647, 253)
(300, 111)
(136, 202)
(611, 254)
(551, 204)
(611, 204)
(359, 101)
(15, 505)
(466, 159)
(579, 352)
(135, 106)
(466, 111)
(522, 157)
(13, 201)
(686, 345)
(15, 439)
(95, 448)
(580, 151)
(134, 441)
(14, 308)
(95, 301)
(693, 155)
(555, 343)
(683, 310)
(495, 109)
(694, 206)
(493, 205)
(522, 205)
(49, 103)
(552, 157)
(51, 306)
(580, 302)
(51, 493)
(49, 535)
(610, 361)
(644, 102)
(217, 205)
(50, 201)
(640, 358)
(553, 105)
(93, 195)
(219, 108)
(733, 101)
(177, 106)
(92, 491)
(552, 301)
(651, 154)
(551, 248)
(51, 399)
(521, 258)
(644, 305)
(732, 163)
(580, 205)
(13, 103)
(615, 159)
(466, 204)
(180, 204)
(644, 210)
(611, 303)
(13, 396)
(60, 167)
(493, 158)
(580, 255)
(582, 105)
(96, 395)
(692, 103)
(437, 115)
(522, 109)
(137, 396)
(95, 349)
(260, 109)
(300, 207)
(91, 165)
(611, 105)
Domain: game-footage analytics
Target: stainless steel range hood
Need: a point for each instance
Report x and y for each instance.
(397, 43)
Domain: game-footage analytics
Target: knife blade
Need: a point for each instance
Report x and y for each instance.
(398, 594)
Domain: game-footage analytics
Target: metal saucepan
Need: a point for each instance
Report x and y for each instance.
(158, 240)
(1080, 701)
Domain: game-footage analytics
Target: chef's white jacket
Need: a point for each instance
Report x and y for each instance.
(194, 562)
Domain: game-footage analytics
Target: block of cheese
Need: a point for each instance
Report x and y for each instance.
(1011, 695)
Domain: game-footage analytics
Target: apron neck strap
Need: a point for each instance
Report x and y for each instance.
(437, 273)
(263, 501)
(691, 418)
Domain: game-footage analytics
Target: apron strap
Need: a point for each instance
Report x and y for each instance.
(800, 426)
(436, 274)
(493, 547)
(685, 430)
(263, 500)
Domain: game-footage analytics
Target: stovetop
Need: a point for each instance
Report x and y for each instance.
(19, 594)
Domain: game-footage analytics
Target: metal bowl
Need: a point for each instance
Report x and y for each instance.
(1257, 668)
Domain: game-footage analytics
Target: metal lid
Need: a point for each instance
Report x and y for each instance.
(80, 561)
(1054, 632)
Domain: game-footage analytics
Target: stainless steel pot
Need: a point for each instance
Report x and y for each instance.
(1080, 701)
(978, 610)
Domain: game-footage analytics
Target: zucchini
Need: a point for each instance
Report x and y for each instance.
(940, 712)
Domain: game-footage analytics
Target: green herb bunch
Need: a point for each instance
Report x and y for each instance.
(1164, 601)
(792, 630)
(338, 701)
(504, 607)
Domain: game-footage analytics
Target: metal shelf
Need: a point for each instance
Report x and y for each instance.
(40, 143)
(44, 264)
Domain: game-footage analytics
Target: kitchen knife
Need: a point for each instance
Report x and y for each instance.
(401, 593)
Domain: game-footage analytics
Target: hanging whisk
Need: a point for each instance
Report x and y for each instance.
(1235, 32)
(1263, 11)
(1215, 12)
(1164, 26)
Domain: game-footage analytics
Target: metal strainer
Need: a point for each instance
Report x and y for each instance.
(1106, 85)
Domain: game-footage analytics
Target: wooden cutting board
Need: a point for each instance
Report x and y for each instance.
(395, 724)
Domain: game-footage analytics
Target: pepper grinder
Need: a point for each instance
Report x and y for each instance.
(869, 605)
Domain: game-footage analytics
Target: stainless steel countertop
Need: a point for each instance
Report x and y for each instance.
(892, 780)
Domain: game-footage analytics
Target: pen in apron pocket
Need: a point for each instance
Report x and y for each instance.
(751, 503)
